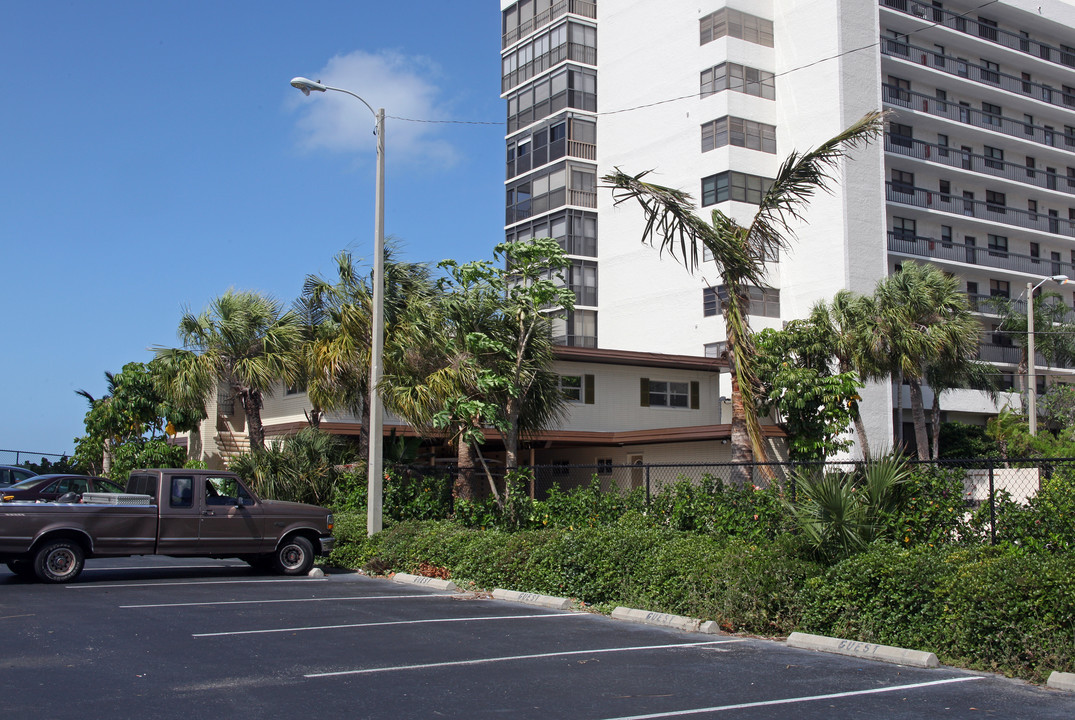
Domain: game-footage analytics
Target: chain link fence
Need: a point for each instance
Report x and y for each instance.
(23, 457)
(986, 483)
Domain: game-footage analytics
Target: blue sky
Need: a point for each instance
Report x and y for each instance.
(153, 155)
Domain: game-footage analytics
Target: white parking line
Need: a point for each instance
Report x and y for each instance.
(192, 582)
(508, 658)
(789, 701)
(286, 600)
(393, 622)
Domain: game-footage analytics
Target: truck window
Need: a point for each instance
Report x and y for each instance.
(226, 491)
(182, 492)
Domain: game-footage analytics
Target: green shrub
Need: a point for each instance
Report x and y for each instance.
(1044, 523)
(932, 512)
(710, 506)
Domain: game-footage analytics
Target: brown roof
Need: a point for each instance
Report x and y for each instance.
(640, 359)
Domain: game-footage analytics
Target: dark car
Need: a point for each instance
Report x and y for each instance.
(51, 487)
(11, 474)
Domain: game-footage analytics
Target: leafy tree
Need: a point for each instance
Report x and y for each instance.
(739, 252)
(488, 353)
(133, 408)
(815, 403)
(244, 341)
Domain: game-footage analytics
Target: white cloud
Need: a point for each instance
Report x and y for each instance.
(405, 86)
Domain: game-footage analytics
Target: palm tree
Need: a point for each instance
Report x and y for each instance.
(922, 319)
(951, 371)
(242, 340)
(740, 250)
(338, 354)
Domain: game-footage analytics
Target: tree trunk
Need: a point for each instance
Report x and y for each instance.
(860, 430)
(1021, 371)
(899, 410)
(742, 452)
(463, 488)
(511, 437)
(918, 414)
(252, 407)
(935, 420)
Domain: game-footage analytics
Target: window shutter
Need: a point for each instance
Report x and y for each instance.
(644, 385)
(588, 390)
(695, 392)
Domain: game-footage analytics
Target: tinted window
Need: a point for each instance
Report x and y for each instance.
(182, 494)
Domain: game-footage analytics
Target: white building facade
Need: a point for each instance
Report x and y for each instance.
(976, 172)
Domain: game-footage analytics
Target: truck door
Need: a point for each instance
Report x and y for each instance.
(180, 516)
(231, 520)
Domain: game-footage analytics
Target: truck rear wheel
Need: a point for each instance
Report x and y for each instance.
(58, 561)
(295, 556)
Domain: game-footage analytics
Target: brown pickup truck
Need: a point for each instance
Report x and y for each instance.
(180, 513)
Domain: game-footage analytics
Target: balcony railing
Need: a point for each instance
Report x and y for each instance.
(582, 198)
(967, 115)
(998, 348)
(586, 341)
(961, 68)
(552, 152)
(989, 33)
(948, 155)
(574, 52)
(578, 7)
(981, 209)
(934, 249)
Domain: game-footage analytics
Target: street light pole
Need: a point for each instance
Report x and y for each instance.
(1032, 380)
(375, 497)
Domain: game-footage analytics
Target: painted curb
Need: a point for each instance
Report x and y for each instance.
(655, 618)
(865, 651)
(1062, 681)
(546, 601)
(435, 583)
(710, 627)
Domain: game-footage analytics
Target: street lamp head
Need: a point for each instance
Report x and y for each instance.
(1062, 279)
(306, 85)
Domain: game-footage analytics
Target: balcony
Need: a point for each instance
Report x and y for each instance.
(576, 7)
(999, 348)
(918, 102)
(980, 209)
(976, 73)
(947, 155)
(934, 249)
(970, 26)
(574, 52)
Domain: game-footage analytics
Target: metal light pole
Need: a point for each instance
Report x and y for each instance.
(1032, 380)
(375, 501)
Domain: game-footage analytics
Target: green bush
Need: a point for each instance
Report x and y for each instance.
(710, 506)
(932, 511)
(144, 453)
(1046, 522)
(987, 608)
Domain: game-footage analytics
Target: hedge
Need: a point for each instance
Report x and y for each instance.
(1000, 609)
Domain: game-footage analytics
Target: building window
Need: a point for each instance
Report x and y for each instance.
(944, 188)
(942, 145)
(581, 278)
(999, 288)
(987, 28)
(1031, 163)
(996, 201)
(604, 466)
(737, 24)
(1035, 253)
(901, 135)
(739, 78)
(578, 329)
(991, 114)
(739, 132)
(761, 302)
(903, 182)
(898, 89)
(903, 229)
(548, 49)
(998, 246)
(574, 230)
(577, 388)
(994, 158)
(990, 71)
(296, 389)
(668, 394)
(714, 350)
(569, 87)
(734, 186)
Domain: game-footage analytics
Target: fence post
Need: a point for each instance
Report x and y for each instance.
(992, 508)
(647, 486)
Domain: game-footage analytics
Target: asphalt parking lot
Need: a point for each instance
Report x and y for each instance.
(168, 638)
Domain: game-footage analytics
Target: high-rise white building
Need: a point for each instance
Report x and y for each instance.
(976, 172)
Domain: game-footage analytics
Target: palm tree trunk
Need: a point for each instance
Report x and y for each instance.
(463, 488)
(511, 437)
(918, 414)
(935, 419)
(899, 410)
(742, 453)
(860, 431)
(255, 430)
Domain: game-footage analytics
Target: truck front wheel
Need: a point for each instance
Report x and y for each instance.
(58, 561)
(295, 556)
